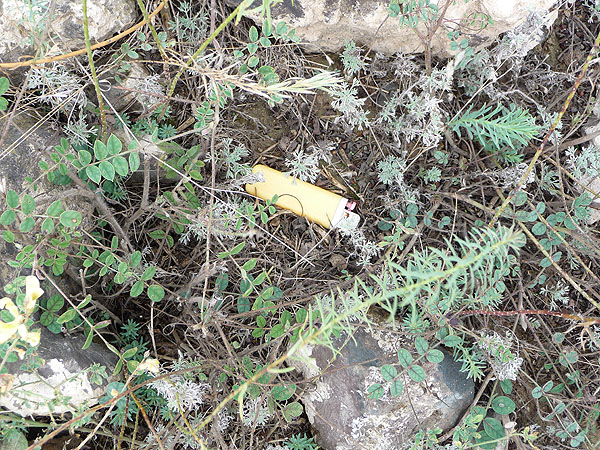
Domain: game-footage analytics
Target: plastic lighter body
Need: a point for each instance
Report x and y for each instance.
(304, 199)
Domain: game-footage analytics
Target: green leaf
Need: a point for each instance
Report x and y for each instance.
(243, 304)
(234, 251)
(67, 316)
(55, 303)
(260, 278)
(538, 229)
(93, 173)
(267, 293)
(301, 315)
(132, 365)
(283, 393)
(7, 217)
(129, 352)
(3, 104)
(417, 373)
(503, 405)
(100, 150)
(558, 337)
(148, 273)
(12, 199)
(121, 166)
(485, 442)
(261, 321)
(48, 225)
(88, 339)
(452, 340)
(107, 170)
(136, 259)
(421, 345)
(134, 161)
(70, 218)
(497, 126)
(113, 145)
(281, 28)
(506, 386)
(522, 216)
(222, 281)
(122, 267)
(388, 372)
(27, 204)
(4, 85)
(249, 265)
(292, 410)
(253, 61)
(404, 357)
(8, 236)
(55, 209)
(253, 34)
(435, 356)
(156, 292)
(277, 331)
(267, 26)
(136, 289)
(47, 318)
(85, 157)
(27, 225)
(537, 392)
(396, 387)
(375, 391)
(493, 427)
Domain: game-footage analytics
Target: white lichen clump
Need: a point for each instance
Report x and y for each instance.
(505, 363)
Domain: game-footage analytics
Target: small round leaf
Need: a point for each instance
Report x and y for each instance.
(137, 289)
(435, 356)
(12, 199)
(503, 405)
(93, 173)
(27, 204)
(388, 372)
(7, 217)
(375, 391)
(396, 387)
(70, 218)
(156, 293)
(417, 373)
(121, 166)
(107, 170)
(148, 273)
(27, 225)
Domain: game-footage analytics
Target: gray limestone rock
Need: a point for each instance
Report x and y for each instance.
(328, 24)
(57, 380)
(26, 25)
(346, 418)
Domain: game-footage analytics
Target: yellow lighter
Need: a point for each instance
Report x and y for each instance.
(316, 204)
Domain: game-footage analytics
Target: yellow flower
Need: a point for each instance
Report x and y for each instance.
(31, 337)
(17, 325)
(32, 293)
(8, 329)
(150, 365)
